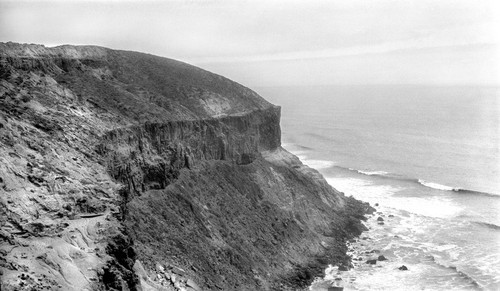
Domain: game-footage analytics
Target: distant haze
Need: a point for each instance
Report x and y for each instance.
(273, 43)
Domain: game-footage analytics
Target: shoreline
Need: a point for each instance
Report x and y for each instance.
(383, 258)
(423, 234)
(363, 254)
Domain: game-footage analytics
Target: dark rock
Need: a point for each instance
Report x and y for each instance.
(403, 268)
(376, 204)
(26, 98)
(380, 223)
(390, 215)
(381, 258)
(371, 261)
(119, 272)
(45, 124)
(38, 181)
(380, 219)
(35, 228)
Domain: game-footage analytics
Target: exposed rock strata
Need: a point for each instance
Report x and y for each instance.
(122, 171)
(150, 156)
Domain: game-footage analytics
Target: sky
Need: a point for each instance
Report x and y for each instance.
(283, 43)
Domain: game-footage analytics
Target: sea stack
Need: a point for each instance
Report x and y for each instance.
(126, 171)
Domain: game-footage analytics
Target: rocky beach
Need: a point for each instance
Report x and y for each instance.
(385, 257)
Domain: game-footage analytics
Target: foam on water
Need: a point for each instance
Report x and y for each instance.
(373, 173)
(432, 206)
(316, 164)
(414, 234)
(362, 189)
(432, 262)
(434, 171)
(436, 185)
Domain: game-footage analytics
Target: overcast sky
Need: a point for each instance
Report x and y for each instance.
(270, 43)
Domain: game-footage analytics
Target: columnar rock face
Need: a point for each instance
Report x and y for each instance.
(126, 171)
(151, 155)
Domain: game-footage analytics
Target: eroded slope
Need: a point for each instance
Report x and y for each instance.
(121, 170)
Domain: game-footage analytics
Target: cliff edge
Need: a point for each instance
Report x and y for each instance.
(126, 171)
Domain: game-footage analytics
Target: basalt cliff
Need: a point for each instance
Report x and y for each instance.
(126, 171)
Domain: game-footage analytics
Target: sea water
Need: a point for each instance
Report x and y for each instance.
(428, 156)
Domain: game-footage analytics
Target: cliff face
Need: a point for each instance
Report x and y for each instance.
(121, 170)
(150, 156)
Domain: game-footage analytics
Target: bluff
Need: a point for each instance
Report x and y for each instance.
(126, 171)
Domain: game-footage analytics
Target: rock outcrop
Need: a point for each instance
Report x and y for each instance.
(126, 171)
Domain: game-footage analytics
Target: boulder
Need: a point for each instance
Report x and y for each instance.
(403, 268)
(159, 268)
(193, 285)
(371, 261)
(178, 271)
(381, 258)
(380, 219)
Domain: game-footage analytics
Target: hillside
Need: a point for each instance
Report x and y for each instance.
(126, 171)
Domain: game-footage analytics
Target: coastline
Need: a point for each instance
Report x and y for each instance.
(378, 263)
(365, 255)
(411, 259)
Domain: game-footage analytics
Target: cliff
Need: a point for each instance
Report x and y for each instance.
(126, 171)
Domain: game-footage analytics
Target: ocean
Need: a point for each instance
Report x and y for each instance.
(428, 157)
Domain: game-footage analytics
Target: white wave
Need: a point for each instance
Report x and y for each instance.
(373, 173)
(435, 185)
(431, 207)
(317, 164)
(442, 248)
(301, 154)
(383, 194)
(363, 189)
